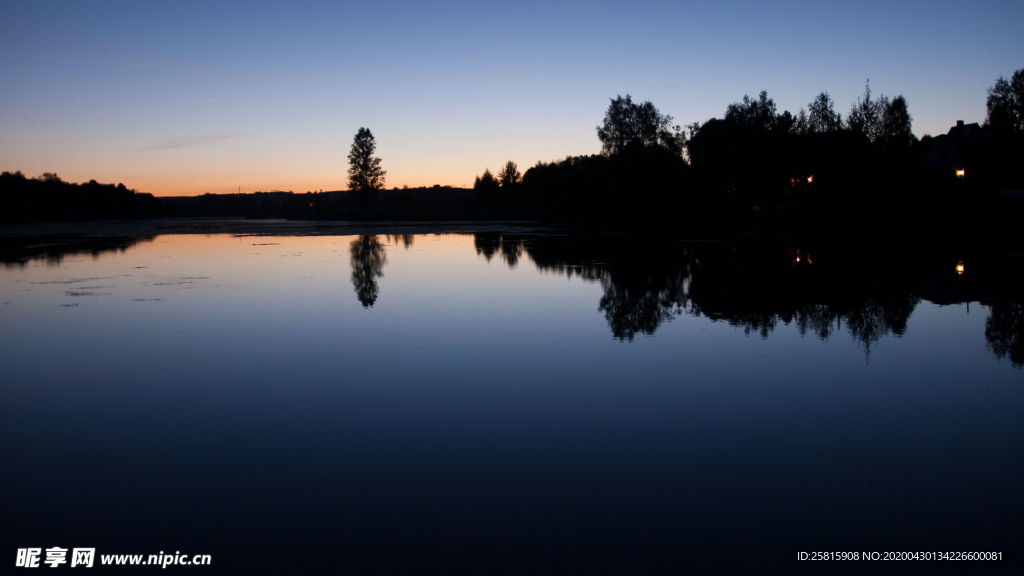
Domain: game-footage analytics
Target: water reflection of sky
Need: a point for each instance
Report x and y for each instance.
(226, 393)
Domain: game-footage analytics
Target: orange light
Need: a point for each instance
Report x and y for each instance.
(959, 173)
(810, 179)
(960, 268)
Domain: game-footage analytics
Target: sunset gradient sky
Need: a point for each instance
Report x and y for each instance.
(193, 97)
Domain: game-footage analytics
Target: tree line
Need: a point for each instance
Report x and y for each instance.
(47, 197)
(756, 164)
(753, 165)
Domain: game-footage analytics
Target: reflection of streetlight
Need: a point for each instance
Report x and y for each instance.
(960, 267)
(960, 173)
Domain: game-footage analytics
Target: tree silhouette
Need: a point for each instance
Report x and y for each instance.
(629, 125)
(800, 123)
(1005, 103)
(786, 123)
(866, 115)
(885, 122)
(485, 183)
(759, 114)
(822, 116)
(509, 175)
(365, 176)
(896, 122)
(367, 258)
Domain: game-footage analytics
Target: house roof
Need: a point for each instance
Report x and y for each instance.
(962, 130)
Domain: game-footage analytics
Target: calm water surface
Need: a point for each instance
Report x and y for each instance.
(503, 404)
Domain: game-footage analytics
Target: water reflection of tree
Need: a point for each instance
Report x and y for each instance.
(818, 319)
(755, 287)
(813, 305)
(1004, 332)
(875, 318)
(405, 240)
(641, 307)
(866, 291)
(367, 258)
(643, 286)
(17, 251)
(489, 244)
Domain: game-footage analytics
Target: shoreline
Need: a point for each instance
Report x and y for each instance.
(260, 227)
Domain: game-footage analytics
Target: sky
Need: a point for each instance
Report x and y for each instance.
(184, 98)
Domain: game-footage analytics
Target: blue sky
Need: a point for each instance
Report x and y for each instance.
(193, 97)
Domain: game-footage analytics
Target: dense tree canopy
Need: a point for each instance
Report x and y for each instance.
(759, 114)
(637, 125)
(1006, 103)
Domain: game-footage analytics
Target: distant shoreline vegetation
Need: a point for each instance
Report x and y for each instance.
(48, 198)
(753, 168)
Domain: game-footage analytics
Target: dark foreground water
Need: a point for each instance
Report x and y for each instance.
(514, 403)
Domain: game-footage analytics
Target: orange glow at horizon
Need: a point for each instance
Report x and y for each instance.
(299, 186)
(235, 181)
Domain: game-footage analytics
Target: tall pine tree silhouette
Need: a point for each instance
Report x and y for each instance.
(365, 176)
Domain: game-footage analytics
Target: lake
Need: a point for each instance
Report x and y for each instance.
(509, 399)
